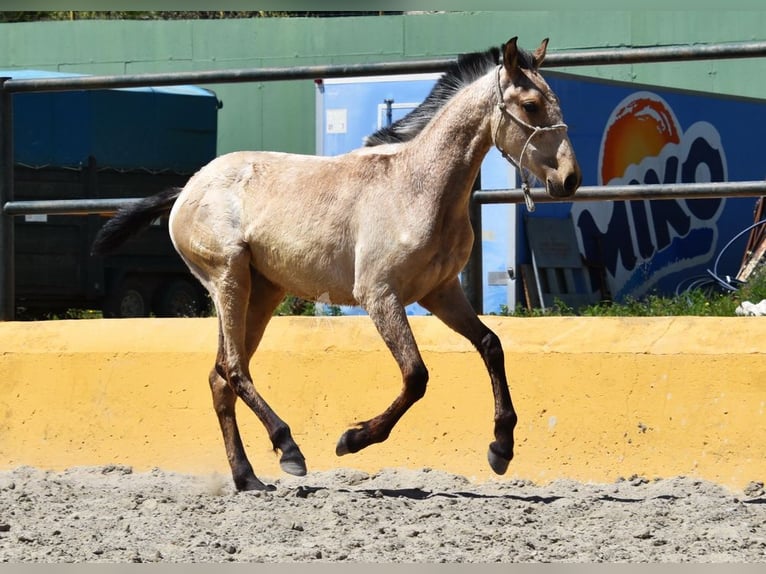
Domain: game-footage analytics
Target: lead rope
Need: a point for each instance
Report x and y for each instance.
(535, 130)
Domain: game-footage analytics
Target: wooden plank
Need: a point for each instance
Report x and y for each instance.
(758, 256)
(529, 285)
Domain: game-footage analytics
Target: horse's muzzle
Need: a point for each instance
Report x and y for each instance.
(565, 187)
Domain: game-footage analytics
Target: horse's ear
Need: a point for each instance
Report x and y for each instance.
(539, 54)
(511, 55)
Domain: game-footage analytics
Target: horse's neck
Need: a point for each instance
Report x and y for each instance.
(456, 140)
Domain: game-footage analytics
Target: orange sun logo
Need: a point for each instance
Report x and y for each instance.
(639, 127)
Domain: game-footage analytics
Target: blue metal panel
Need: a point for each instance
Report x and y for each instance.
(51, 129)
(154, 129)
(351, 107)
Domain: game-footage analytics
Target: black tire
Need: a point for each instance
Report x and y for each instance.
(129, 299)
(180, 298)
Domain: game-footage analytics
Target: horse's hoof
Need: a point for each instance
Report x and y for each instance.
(342, 447)
(497, 461)
(253, 483)
(293, 465)
(354, 440)
(349, 442)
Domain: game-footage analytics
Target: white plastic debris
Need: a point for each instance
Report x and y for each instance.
(749, 309)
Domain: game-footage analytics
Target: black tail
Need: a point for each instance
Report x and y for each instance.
(130, 220)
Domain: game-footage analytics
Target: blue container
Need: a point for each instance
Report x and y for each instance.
(172, 129)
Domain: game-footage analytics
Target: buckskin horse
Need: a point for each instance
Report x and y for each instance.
(380, 227)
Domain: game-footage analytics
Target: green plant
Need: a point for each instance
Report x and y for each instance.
(559, 308)
(292, 305)
(696, 302)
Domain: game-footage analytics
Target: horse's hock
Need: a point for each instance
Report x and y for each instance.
(598, 398)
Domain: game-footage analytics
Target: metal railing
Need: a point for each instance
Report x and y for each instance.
(473, 284)
(12, 208)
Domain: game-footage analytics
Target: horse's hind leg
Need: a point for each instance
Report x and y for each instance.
(224, 399)
(264, 298)
(450, 305)
(389, 317)
(243, 293)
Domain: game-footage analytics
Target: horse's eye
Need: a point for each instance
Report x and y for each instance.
(530, 107)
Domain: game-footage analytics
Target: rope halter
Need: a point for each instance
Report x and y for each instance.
(534, 131)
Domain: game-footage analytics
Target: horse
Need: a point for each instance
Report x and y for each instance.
(379, 227)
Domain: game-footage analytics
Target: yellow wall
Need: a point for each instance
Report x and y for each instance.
(598, 398)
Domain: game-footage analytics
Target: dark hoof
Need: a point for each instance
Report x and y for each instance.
(295, 465)
(342, 447)
(499, 458)
(349, 442)
(253, 483)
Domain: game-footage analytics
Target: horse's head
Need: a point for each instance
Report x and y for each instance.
(529, 130)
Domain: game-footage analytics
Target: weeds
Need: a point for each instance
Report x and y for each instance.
(695, 302)
(292, 305)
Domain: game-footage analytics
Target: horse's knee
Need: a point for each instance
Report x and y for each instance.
(416, 382)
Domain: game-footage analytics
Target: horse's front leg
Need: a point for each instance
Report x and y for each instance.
(450, 304)
(390, 319)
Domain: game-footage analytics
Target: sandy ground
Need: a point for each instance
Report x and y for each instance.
(112, 514)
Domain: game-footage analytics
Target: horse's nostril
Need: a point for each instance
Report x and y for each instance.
(572, 182)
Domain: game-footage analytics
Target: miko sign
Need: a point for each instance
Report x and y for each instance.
(644, 144)
(629, 135)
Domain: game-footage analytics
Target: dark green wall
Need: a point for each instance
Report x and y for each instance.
(280, 115)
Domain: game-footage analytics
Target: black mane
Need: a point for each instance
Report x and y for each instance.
(468, 68)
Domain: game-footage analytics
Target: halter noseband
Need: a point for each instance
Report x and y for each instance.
(534, 129)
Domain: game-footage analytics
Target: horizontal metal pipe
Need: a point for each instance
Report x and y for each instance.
(607, 56)
(554, 59)
(67, 206)
(586, 193)
(226, 76)
(630, 192)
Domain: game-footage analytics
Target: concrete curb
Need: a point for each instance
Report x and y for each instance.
(598, 398)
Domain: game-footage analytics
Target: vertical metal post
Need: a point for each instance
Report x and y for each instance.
(389, 111)
(472, 274)
(7, 263)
